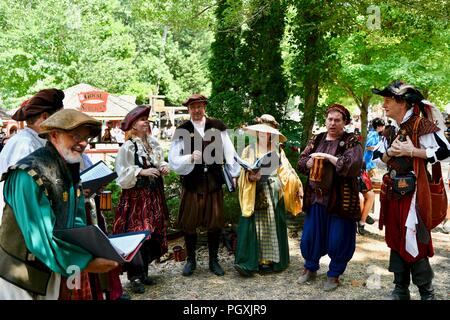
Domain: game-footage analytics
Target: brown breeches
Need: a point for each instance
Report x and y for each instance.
(201, 210)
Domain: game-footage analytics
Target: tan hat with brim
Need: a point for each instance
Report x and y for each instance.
(70, 119)
(253, 129)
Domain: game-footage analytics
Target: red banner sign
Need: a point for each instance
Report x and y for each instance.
(93, 101)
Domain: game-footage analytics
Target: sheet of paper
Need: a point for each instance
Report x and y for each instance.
(126, 244)
(99, 171)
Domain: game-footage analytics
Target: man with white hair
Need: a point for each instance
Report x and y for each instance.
(43, 193)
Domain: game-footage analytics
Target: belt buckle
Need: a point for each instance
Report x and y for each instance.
(318, 190)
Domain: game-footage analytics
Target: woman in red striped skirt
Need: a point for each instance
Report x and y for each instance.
(140, 166)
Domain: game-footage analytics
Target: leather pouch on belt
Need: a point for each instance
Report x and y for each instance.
(404, 184)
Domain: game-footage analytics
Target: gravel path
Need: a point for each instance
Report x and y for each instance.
(366, 277)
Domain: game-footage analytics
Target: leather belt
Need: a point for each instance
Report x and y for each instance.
(320, 191)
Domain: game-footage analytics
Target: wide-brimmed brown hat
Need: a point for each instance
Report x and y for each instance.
(70, 119)
(133, 115)
(195, 98)
(47, 100)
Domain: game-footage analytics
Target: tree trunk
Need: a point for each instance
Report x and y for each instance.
(364, 107)
(311, 87)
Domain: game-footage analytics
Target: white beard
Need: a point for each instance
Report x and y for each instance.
(70, 157)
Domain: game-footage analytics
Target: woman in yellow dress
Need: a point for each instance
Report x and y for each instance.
(265, 196)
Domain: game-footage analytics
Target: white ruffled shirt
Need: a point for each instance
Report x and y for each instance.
(127, 170)
(182, 164)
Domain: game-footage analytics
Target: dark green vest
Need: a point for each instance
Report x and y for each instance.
(54, 178)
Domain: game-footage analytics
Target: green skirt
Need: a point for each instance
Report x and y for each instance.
(247, 250)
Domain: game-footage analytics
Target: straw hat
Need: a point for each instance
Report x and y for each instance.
(267, 124)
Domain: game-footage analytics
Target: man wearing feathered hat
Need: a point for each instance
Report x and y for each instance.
(33, 111)
(43, 193)
(197, 152)
(331, 199)
(406, 208)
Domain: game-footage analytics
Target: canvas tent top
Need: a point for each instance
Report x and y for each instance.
(116, 106)
(4, 114)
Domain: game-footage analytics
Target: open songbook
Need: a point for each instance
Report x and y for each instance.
(121, 247)
(96, 176)
(268, 160)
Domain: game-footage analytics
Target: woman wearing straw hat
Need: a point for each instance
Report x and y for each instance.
(265, 195)
(140, 166)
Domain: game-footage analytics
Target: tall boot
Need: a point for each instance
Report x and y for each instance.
(422, 276)
(402, 279)
(191, 264)
(213, 248)
(401, 291)
(427, 292)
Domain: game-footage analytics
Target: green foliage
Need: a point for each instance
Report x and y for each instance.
(115, 45)
(172, 191)
(260, 55)
(246, 64)
(115, 197)
(227, 97)
(231, 207)
(250, 56)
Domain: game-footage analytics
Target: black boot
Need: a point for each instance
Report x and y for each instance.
(146, 259)
(402, 277)
(422, 276)
(213, 247)
(401, 291)
(191, 264)
(427, 292)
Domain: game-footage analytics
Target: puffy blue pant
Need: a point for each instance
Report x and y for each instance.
(323, 234)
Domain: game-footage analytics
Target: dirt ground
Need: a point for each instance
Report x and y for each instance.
(366, 277)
